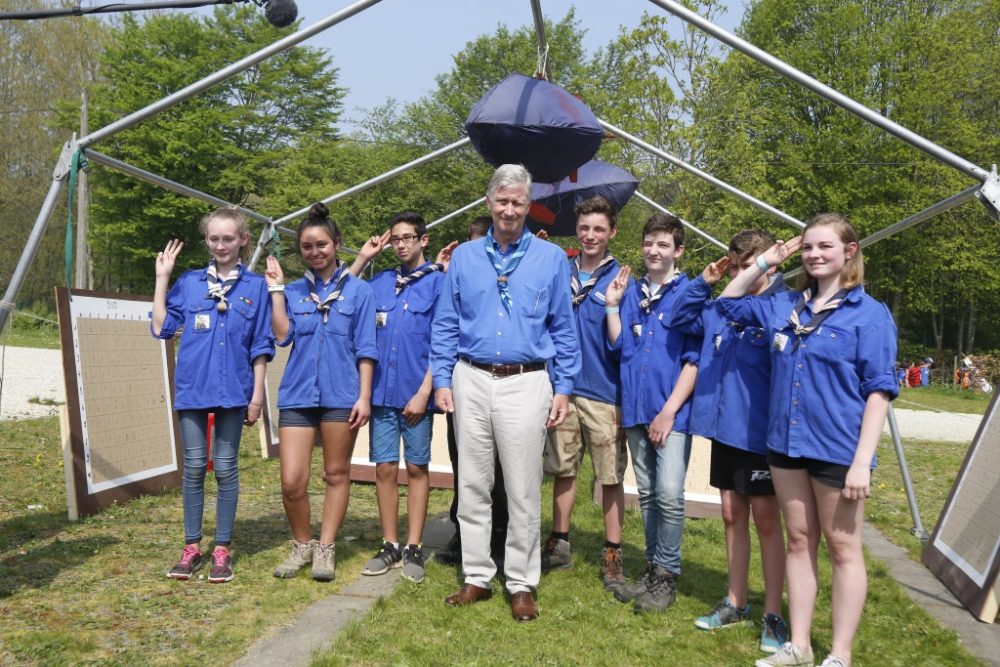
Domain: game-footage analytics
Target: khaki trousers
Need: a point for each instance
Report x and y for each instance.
(506, 417)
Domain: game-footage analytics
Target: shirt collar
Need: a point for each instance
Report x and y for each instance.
(403, 271)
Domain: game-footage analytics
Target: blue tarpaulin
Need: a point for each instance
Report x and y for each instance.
(535, 123)
(552, 203)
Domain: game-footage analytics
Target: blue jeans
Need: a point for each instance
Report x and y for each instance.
(659, 474)
(225, 452)
(386, 425)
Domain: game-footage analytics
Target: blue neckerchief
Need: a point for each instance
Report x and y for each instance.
(504, 271)
(580, 291)
(218, 289)
(339, 277)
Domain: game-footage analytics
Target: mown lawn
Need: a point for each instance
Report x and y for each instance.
(93, 592)
(940, 397)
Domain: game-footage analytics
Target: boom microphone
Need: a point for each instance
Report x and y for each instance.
(280, 13)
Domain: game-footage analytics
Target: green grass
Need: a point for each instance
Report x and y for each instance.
(941, 397)
(47, 338)
(582, 624)
(933, 467)
(93, 592)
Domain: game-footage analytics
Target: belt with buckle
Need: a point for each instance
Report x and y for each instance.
(506, 370)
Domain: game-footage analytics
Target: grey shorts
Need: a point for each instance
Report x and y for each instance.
(311, 416)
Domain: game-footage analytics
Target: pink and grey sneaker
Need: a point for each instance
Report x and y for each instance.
(222, 566)
(189, 563)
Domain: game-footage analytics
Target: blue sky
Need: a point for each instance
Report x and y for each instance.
(397, 47)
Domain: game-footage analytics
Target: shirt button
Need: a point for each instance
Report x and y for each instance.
(797, 384)
(794, 422)
(803, 346)
(499, 334)
(798, 365)
(498, 354)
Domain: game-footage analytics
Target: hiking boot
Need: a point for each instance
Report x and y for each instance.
(611, 568)
(556, 555)
(413, 562)
(222, 566)
(725, 615)
(773, 633)
(660, 594)
(189, 563)
(387, 557)
(452, 553)
(833, 661)
(788, 655)
(629, 592)
(302, 555)
(324, 562)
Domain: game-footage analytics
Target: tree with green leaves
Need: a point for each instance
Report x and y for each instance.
(230, 141)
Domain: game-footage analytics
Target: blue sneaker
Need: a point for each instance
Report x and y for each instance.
(773, 633)
(725, 615)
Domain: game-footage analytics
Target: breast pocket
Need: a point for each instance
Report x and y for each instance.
(832, 345)
(592, 308)
(306, 319)
(532, 302)
(419, 311)
(247, 315)
(341, 316)
(201, 317)
(754, 344)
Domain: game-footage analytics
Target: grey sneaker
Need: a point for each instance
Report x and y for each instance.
(413, 562)
(660, 594)
(833, 661)
(387, 557)
(773, 633)
(725, 615)
(629, 592)
(556, 555)
(788, 655)
(611, 568)
(302, 555)
(324, 566)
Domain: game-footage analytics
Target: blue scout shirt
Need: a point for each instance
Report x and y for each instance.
(729, 403)
(600, 377)
(403, 334)
(214, 363)
(322, 369)
(472, 322)
(819, 388)
(652, 356)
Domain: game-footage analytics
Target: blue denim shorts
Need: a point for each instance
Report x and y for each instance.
(311, 416)
(386, 427)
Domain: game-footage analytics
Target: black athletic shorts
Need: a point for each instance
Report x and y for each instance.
(733, 469)
(831, 474)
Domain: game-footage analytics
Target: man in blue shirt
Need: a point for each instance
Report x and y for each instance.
(594, 420)
(401, 389)
(505, 314)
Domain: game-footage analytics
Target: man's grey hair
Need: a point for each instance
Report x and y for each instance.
(509, 176)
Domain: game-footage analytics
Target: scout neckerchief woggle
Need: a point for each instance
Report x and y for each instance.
(504, 271)
(402, 281)
(649, 300)
(218, 289)
(580, 292)
(339, 278)
(803, 330)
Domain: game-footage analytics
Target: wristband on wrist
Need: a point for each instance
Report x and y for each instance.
(611, 309)
(762, 264)
(275, 288)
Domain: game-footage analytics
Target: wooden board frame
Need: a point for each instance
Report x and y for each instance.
(976, 587)
(83, 498)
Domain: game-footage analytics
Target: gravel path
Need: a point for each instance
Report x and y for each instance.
(36, 374)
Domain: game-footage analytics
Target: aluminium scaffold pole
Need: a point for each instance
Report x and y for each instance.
(691, 169)
(904, 471)
(543, 46)
(693, 228)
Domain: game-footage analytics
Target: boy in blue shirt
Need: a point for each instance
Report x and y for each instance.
(729, 407)
(594, 419)
(401, 389)
(658, 371)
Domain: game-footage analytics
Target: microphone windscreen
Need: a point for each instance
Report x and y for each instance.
(281, 13)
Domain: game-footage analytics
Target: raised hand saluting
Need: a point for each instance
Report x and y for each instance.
(165, 260)
(714, 272)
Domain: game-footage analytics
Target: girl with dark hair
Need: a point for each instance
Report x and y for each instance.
(329, 315)
(226, 345)
(833, 350)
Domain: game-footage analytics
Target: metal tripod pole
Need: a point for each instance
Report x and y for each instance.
(904, 471)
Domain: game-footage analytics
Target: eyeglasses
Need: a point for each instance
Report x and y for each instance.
(405, 239)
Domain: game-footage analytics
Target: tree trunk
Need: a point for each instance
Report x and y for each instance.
(970, 331)
(937, 326)
(960, 339)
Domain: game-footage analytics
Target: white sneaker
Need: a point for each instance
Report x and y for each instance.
(833, 661)
(789, 655)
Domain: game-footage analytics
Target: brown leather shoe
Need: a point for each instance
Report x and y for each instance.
(523, 607)
(468, 594)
